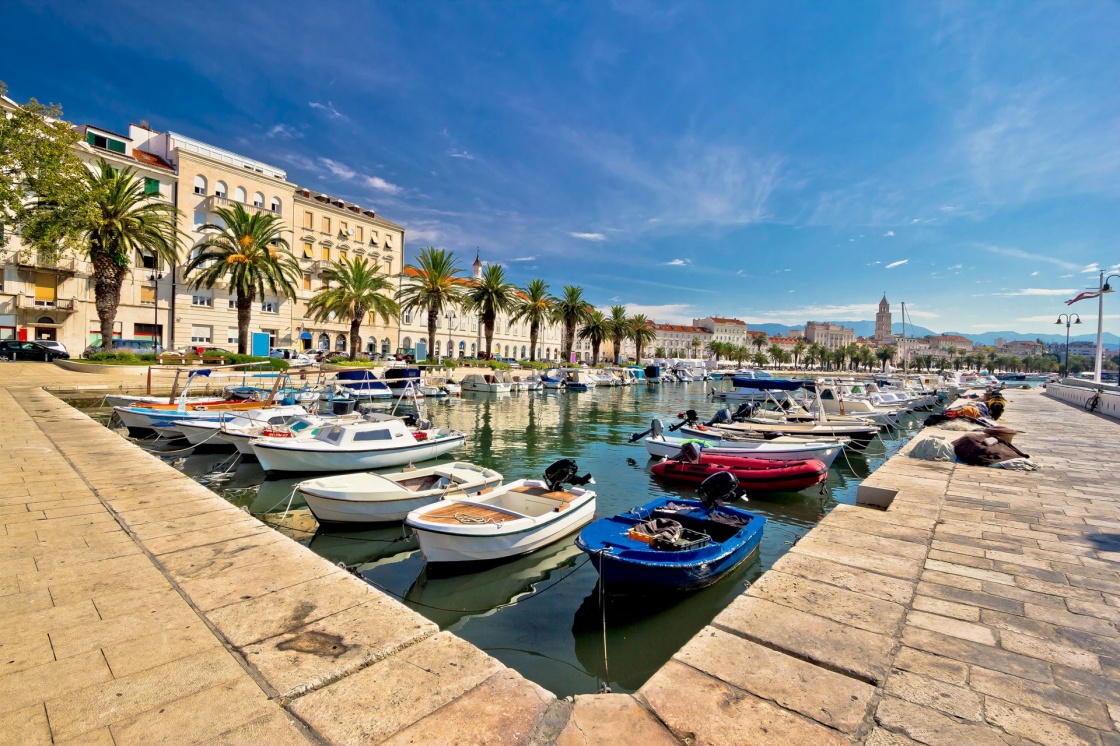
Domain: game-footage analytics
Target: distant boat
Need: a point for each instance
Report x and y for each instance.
(486, 383)
(363, 384)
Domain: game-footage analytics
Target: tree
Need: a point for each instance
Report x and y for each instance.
(758, 358)
(596, 329)
(534, 305)
(776, 353)
(355, 288)
(659, 352)
(885, 355)
(739, 353)
(488, 296)
(40, 169)
(247, 251)
(866, 357)
(435, 284)
(108, 218)
(570, 310)
(799, 348)
(619, 329)
(758, 339)
(642, 332)
(720, 349)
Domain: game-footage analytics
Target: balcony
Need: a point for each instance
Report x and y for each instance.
(215, 201)
(29, 303)
(58, 265)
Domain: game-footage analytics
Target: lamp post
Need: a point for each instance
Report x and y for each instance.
(450, 330)
(1105, 288)
(155, 277)
(1068, 318)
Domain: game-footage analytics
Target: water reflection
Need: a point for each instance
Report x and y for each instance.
(540, 614)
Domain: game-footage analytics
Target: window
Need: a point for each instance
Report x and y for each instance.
(233, 302)
(326, 284)
(258, 200)
(231, 335)
(220, 190)
(308, 220)
(306, 281)
(373, 435)
(151, 186)
(407, 317)
(276, 205)
(202, 300)
(148, 295)
(340, 342)
(308, 253)
(201, 334)
(358, 233)
(200, 185)
(269, 306)
(199, 219)
(343, 228)
(326, 253)
(46, 286)
(239, 195)
(326, 224)
(273, 336)
(406, 342)
(145, 260)
(342, 255)
(107, 143)
(324, 342)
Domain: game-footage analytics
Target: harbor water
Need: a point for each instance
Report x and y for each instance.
(543, 614)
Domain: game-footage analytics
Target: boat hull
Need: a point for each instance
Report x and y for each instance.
(755, 475)
(284, 457)
(824, 452)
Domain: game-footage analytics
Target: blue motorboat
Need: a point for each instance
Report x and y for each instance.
(671, 544)
(654, 374)
(363, 384)
(398, 379)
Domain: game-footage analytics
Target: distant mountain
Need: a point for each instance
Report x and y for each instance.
(867, 329)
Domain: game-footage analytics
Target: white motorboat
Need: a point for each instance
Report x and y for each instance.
(530, 382)
(486, 383)
(554, 378)
(199, 431)
(353, 446)
(512, 520)
(242, 435)
(658, 444)
(451, 388)
(366, 497)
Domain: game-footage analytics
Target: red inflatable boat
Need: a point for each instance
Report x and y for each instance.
(754, 474)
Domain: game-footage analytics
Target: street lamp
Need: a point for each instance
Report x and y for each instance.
(155, 277)
(1068, 318)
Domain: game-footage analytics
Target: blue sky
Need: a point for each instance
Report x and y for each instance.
(774, 161)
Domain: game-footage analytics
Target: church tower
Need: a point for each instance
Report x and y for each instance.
(883, 320)
(477, 266)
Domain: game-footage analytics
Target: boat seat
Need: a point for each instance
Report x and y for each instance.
(564, 498)
(454, 513)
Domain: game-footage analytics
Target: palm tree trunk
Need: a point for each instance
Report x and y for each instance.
(488, 330)
(356, 331)
(533, 330)
(107, 278)
(594, 353)
(244, 316)
(433, 317)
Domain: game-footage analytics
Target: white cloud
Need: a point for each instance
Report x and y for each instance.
(922, 220)
(341, 170)
(328, 109)
(284, 132)
(874, 263)
(588, 236)
(523, 259)
(1020, 254)
(1040, 291)
(671, 313)
(899, 263)
(888, 234)
(957, 266)
(381, 185)
(460, 154)
(1034, 274)
(676, 263)
(1091, 268)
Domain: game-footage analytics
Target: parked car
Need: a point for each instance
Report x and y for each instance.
(135, 346)
(56, 346)
(295, 358)
(14, 349)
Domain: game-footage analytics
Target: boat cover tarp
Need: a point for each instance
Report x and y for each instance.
(665, 528)
(981, 449)
(767, 384)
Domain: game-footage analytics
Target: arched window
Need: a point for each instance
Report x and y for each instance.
(522, 352)
(435, 352)
(462, 349)
(239, 194)
(258, 200)
(200, 185)
(547, 353)
(472, 349)
(385, 346)
(220, 190)
(507, 350)
(406, 342)
(340, 342)
(276, 205)
(371, 345)
(324, 342)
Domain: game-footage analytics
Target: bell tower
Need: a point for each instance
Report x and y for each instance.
(883, 320)
(477, 266)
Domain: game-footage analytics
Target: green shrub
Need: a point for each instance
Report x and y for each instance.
(121, 358)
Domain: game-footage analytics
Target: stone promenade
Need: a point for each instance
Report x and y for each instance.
(981, 607)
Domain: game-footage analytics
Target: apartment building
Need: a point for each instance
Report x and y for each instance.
(829, 336)
(724, 330)
(681, 341)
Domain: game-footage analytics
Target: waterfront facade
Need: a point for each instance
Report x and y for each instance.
(724, 330)
(829, 336)
(682, 341)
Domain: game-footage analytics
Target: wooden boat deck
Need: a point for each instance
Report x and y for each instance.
(459, 513)
(564, 498)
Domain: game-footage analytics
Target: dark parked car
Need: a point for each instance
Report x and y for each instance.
(14, 349)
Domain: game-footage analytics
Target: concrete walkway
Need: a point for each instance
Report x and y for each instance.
(137, 606)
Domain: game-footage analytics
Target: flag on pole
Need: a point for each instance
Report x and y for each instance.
(1083, 296)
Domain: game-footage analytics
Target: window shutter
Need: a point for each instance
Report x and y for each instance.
(116, 146)
(147, 294)
(151, 186)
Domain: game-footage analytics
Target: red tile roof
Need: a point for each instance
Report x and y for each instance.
(718, 320)
(151, 159)
(679, 328)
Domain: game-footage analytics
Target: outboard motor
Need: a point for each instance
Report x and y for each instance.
(690, 453)
(564, 472)
(745, 410)
(723, 415)
(656, 428)
(721, 487)
(411, 419)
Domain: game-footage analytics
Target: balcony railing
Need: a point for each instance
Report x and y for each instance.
(68, 265)
(31, 303)
(215, 201)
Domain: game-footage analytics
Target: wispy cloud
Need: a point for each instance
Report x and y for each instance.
(1039, 291)
(283, 132)
(460, 154)
(341, 170)
(875, 263)
(899, 263)
(1091, 269)
(676, 263)
(1015, 253)
(381, 185)
(328, 109)
(588, 236)
(958, 266)
(888, 234)
(523, 259)
(1034, 274)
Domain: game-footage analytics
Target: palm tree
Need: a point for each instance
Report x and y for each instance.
(696, 344)
(776, 353)
(434, 284)
(739, 353)
(866, 357)
(642, 332)
(758, 358)
(571, 310)
(620, 329)
(247, 251)
(798, 350)
(353, 289)
(885, 355)
(490, 295)
(596, 329)
(659, 352)
(758, 339)
(534, 305)
(114, 218)
(719, 349)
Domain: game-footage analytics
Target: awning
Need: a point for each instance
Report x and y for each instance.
(305, 335)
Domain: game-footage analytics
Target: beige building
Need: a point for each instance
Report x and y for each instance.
(681, 341)
(950, 342)
(829, 336)
(725, 330)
